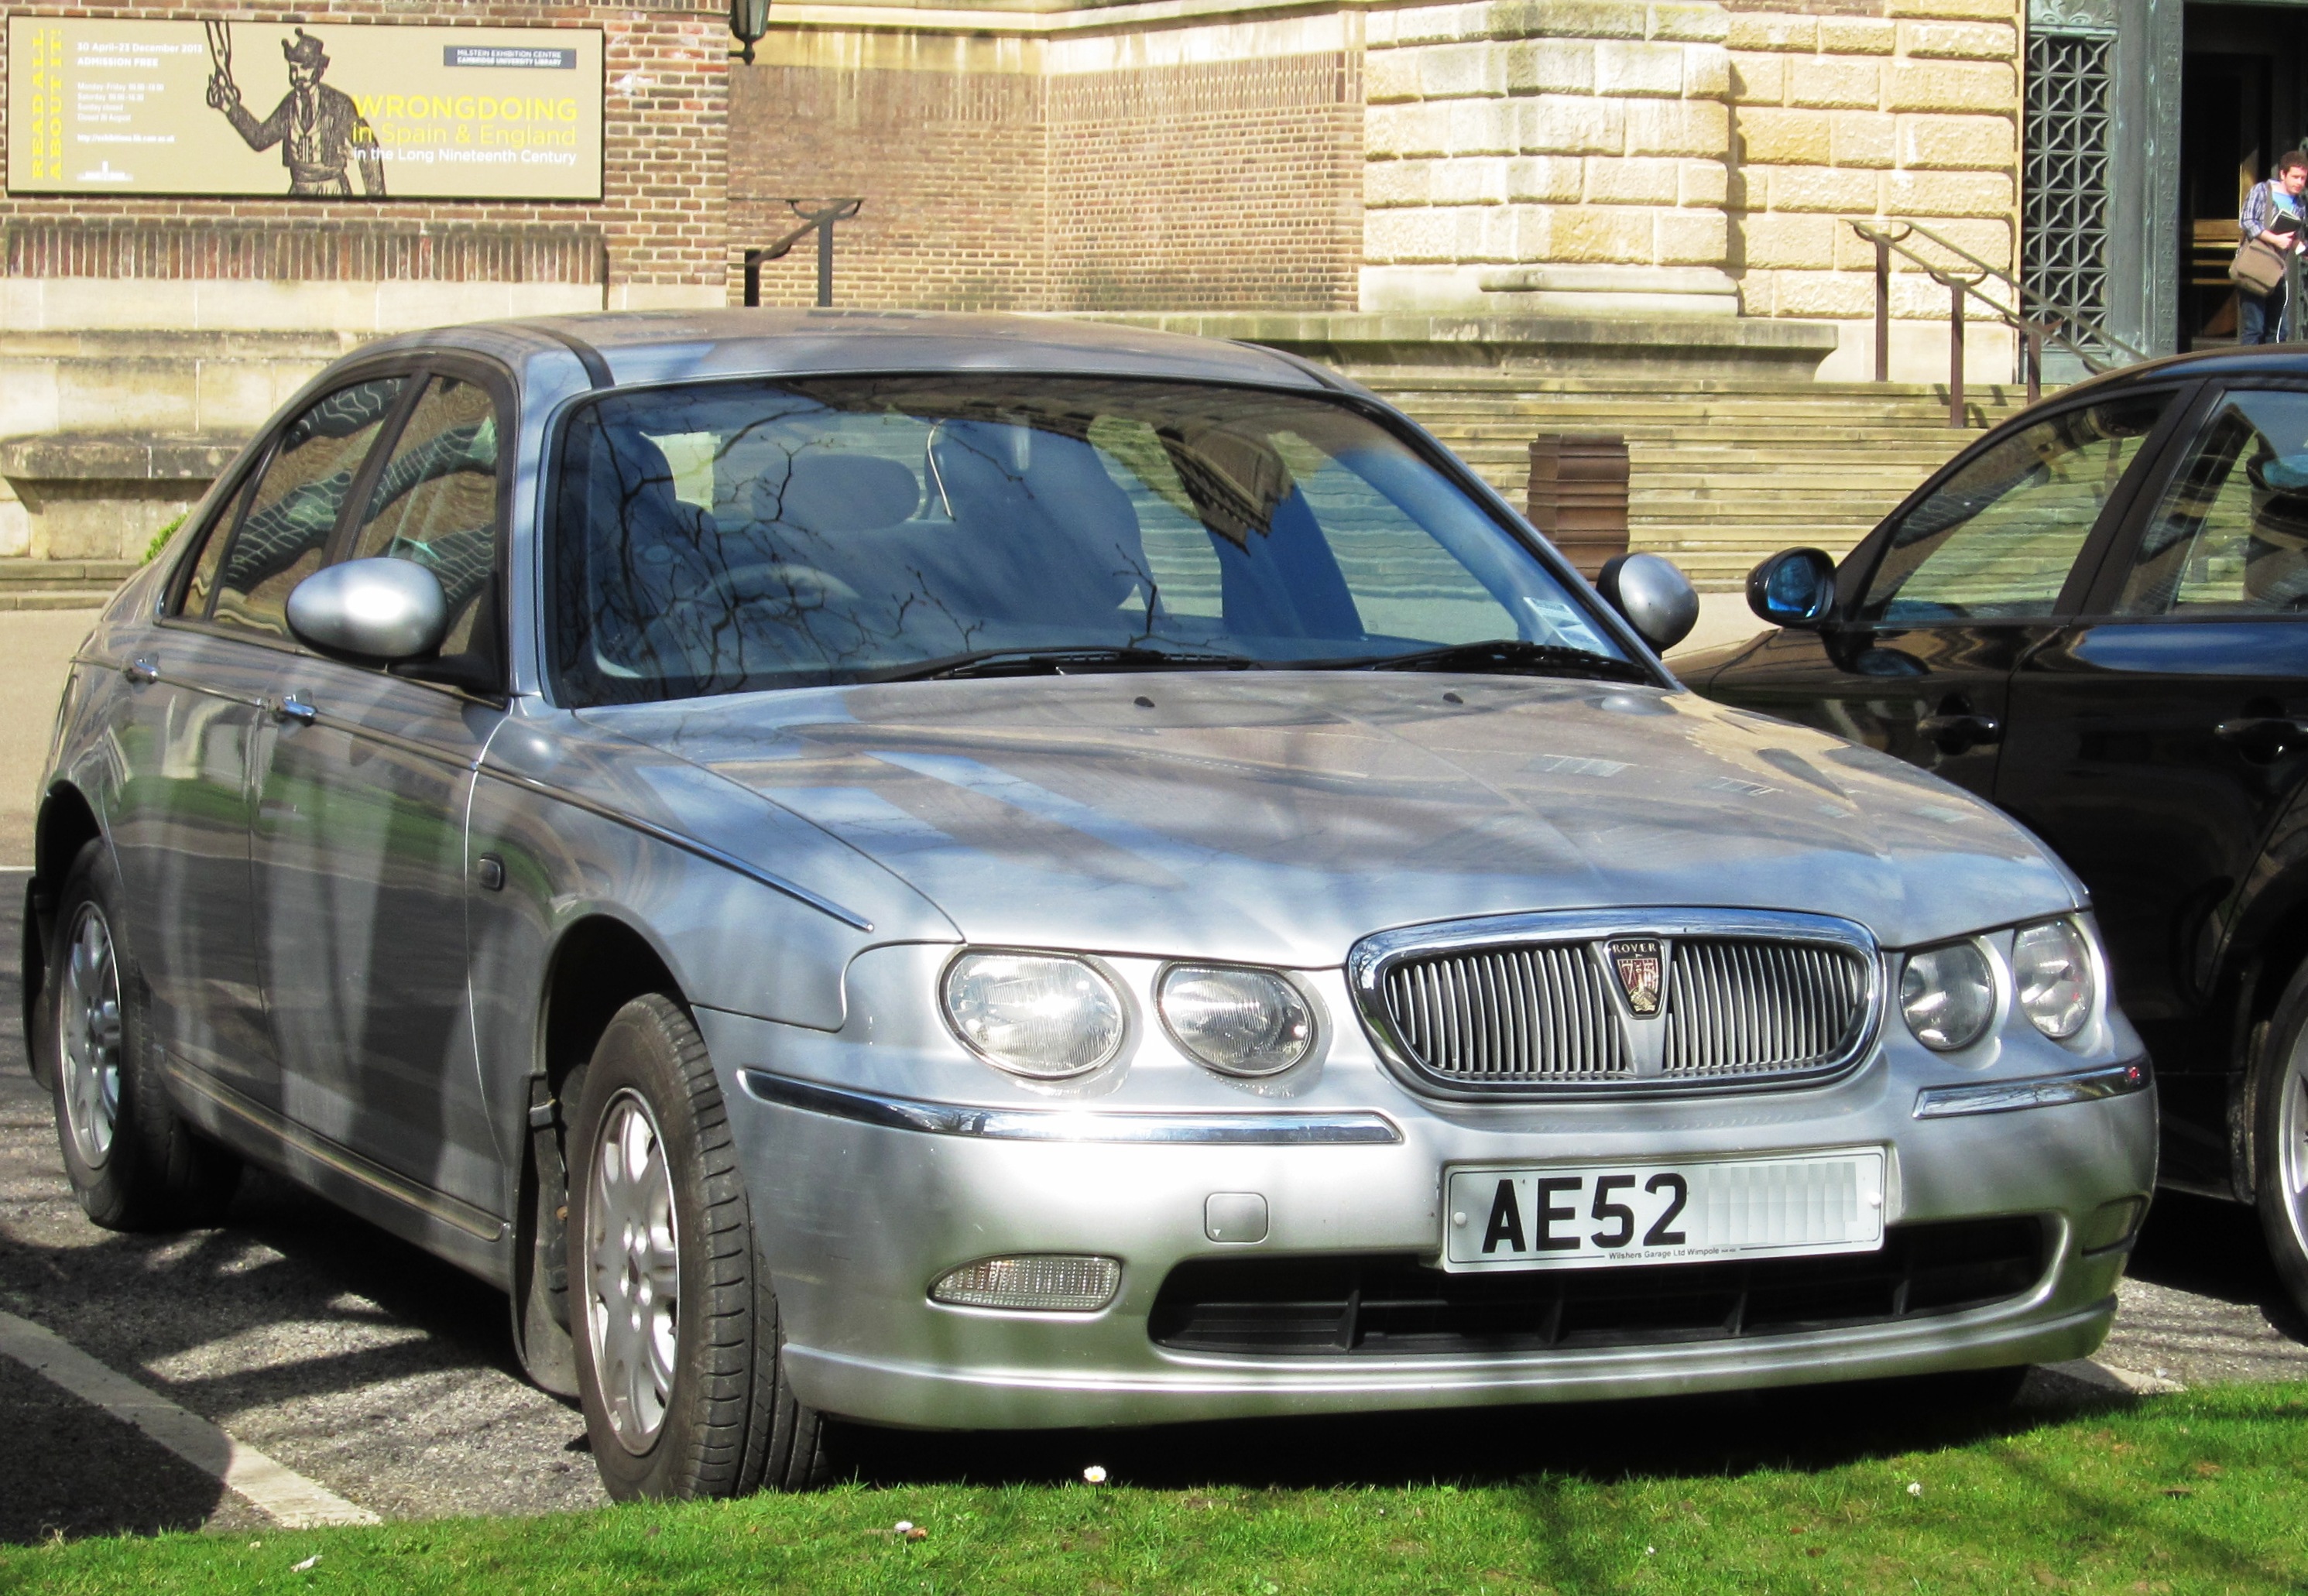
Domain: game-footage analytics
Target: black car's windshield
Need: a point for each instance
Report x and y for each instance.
(739, 534)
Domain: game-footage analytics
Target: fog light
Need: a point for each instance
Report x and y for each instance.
(2110, 1224)
(1045, 1284)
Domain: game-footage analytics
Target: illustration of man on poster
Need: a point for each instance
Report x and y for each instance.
(320, 130)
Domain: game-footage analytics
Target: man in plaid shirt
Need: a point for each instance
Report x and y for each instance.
(2260, 320)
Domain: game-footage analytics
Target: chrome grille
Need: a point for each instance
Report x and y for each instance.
(1509, 1014)
(1744, 1008)
(1544, 1014)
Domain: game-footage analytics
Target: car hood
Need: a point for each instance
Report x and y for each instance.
(1279, 816)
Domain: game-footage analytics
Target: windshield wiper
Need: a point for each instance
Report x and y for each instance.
(1499, 656)
(1055, 662)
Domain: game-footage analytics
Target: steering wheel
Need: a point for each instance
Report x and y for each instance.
(773, 579)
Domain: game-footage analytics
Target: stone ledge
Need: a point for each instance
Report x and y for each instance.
(1564, 344)
(67, 458)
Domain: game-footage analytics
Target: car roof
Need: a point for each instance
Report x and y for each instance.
(657, 346)
(2273, 360)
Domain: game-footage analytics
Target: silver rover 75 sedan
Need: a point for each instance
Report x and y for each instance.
(982, 872)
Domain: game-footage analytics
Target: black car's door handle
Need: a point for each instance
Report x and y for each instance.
(2262, 736)
(1972, 730)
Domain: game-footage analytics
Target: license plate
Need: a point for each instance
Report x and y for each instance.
(1588, 1215)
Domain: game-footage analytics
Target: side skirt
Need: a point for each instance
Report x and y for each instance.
(477, 1242)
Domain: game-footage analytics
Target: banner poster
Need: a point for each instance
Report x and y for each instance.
(329, 110)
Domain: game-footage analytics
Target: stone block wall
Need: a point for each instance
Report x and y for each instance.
(1885, 107)
(1582, 133)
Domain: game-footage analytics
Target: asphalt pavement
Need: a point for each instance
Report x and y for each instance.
(387, 1377)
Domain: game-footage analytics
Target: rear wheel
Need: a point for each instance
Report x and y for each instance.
(133, 1162)
(679, 1353)
(2279, 1098)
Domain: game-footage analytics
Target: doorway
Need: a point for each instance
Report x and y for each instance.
(2240, 108)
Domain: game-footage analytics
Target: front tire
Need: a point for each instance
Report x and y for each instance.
(679, 1352)
(2279, 1100)
(133, 1162)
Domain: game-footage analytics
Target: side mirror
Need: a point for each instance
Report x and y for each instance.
(1657, 599)
(382, 610)
(1793, 587)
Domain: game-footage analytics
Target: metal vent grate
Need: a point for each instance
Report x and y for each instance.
(1737, 1008)
(2064, 246)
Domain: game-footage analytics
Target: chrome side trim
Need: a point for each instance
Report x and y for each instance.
(1370, 959)
(2044, 1091)
(473, 1222)
(1271, 1128)
(687, 845)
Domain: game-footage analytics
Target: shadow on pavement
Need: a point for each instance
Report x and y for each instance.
(2216, 1249)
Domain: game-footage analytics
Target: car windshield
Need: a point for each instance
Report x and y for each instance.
(730, 536)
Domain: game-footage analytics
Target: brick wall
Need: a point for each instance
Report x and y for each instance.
(1006, 173)
(662, 217)
(1214, 185)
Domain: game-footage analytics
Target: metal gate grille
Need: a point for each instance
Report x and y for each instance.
(2064, 212)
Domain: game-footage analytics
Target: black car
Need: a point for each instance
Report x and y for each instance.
(2097, 617)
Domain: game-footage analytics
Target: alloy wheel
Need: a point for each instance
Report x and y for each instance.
(632, 1296)
(2292, 1141)
(88, 1037)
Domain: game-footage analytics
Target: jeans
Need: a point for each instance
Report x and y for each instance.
(2257, 318)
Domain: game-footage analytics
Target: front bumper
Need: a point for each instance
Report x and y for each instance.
(856, 1218)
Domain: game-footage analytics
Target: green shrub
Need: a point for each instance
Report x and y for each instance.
(160, 541)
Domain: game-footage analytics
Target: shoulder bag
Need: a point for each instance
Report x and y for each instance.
(2258, 268)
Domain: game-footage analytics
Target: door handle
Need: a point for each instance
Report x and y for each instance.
(142, 670)
(294, 708)
(2262, 737)
(1965, 731)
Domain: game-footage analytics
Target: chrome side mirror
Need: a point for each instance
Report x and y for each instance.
(1793, 587)
(1657, 599)
(382, 610)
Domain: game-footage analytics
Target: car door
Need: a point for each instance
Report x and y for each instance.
(1951, 593)
(2157, 739)
(363, 777)
(179, 822)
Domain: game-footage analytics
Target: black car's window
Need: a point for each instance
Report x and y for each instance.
(435, 500)
(747, 535)
(1998, 538)
(285, 530)
(2230, 534)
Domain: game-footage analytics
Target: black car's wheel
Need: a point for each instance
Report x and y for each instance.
(133, 1163)
(677, 1341)
(2279, 1098)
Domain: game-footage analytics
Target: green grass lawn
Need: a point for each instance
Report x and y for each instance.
(2206, 1491)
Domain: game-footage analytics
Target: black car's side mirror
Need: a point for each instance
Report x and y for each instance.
(1793, 587)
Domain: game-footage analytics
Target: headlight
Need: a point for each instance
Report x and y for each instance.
(2052, 973)
(1034, 1014)
(1948, 995)
(1236, 1021)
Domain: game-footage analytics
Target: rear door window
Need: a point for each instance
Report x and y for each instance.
(2229, 535)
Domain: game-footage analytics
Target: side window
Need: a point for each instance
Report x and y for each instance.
(284, 532)
(2230, 534)
(435, 503)
(200, 585)
(1997, 539)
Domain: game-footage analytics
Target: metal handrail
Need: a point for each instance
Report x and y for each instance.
(2050, 318)
(819, 221)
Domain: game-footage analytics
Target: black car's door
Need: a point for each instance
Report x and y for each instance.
(1945, 598)
(359, 851)
(2157, 738)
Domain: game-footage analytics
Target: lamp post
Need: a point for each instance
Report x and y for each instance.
(748, 19)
